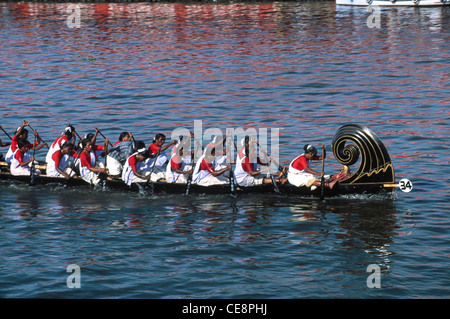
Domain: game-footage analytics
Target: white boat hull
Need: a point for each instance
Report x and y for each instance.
(398, 3)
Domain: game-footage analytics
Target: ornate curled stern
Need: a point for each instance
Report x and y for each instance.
(353, 142)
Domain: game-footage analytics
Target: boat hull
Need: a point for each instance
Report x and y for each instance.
(163, 188)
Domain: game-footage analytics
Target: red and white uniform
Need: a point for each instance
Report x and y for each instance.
(297, 175)
(157, 169)
(202, 174)
(13, 148)
(219, 161)
(17, 160)
(243, 169)
(87, 161)
(56, 146)
(131, 167)
(180, 163)
(57, 160)
(162, 158)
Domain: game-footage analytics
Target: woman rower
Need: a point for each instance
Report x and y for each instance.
(117, 156)
(21, 159)
(97, 149)
(180, 165)
(90, 169)
(59, 163)
(22, 133)
(124, 137)
(246, 172)
(67, 136)
(204, 173)
(133, 169)
(220, 148)
(157, 157)
(300, 174)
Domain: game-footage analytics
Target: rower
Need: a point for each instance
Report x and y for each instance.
(180, 165)
(300, 174)
(97, 149)
(220, 148)
(59, 163)
(246, 172)
(68, 135)
(22, 133)
(124, 137)
(133, 171)
(117, 156)
(204, 173)
(157, 157)
(21, 159)
(90, 169)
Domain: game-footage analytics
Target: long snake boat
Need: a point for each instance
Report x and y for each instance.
(352, 144)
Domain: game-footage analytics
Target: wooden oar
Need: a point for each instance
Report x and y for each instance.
(106, 154)
(275, 186)
(79, 137)
(189, 181)
(132, 136)
(322, 180)
(5, 132)
(32, 172)
(75, 162)
(232, 183)
(105, 138)
(280, 168)
(38, 136)
(151, 172)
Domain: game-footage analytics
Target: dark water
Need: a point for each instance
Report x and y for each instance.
(305, 68)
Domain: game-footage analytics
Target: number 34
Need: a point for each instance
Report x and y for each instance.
(405, 185)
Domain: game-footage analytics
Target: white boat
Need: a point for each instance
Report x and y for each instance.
(396, 3)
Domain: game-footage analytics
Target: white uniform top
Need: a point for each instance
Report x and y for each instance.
(239, 173)
(15, 163)
(9, 155)
(56, 146)
(199, 174)
(295, 171)
(51, 165)
(127, 172)
(84, 171)
(171, 176)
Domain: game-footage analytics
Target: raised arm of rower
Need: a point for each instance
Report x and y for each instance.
(19, 131)
(94, 138)
(38, 146)
(163, 148)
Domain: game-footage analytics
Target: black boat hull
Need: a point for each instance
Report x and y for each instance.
(161, 188)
